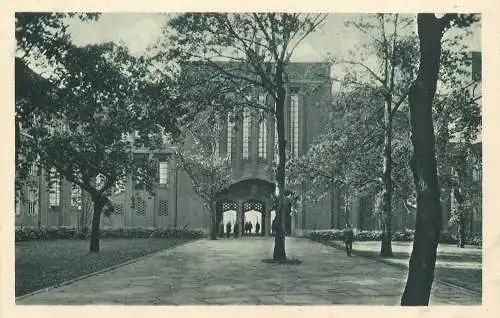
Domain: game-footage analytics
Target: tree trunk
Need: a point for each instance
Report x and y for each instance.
(461, 226)
(279, 253)
(96, 220)
(423, 164)
(386, 247)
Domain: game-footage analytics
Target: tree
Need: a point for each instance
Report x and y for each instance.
(42, 39)
(257, 48)
(101, 94)
(391, 45)
(201, 160)
(346, 155)
(423, 162)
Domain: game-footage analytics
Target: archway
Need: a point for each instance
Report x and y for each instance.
(227, 216)
(253, 214)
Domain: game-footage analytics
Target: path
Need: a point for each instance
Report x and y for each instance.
(230, 271)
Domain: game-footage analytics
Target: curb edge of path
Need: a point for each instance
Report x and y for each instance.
(383, 261)
(101, 271)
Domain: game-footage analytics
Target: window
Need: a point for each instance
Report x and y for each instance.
(163, 209)
(294, 125)
(32, 201)
(230, 127)
(246, 131)
(54, 188)
(276, 142)
(263, 131)
(34, 169)
(76, 196)
(263, 139)
(163, 171)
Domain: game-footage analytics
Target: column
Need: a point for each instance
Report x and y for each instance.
(239, 215)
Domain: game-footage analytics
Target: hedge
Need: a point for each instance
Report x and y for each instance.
(54, 233)
(406, 236)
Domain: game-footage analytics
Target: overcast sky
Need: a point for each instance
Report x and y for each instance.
(139, 30)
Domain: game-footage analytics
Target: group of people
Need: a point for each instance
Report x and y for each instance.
(247, 228)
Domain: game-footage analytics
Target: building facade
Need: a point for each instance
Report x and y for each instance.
(251, 144)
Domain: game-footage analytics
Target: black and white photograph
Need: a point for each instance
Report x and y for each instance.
(248, 158)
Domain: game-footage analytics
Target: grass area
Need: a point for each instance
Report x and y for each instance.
(44, 263)
(460, 266)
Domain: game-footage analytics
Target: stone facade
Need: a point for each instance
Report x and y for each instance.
(174, 202)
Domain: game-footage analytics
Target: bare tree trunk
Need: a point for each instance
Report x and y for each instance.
(423, 164)
(96, 220)
(279, 253)
(386, 247)
(461, 228)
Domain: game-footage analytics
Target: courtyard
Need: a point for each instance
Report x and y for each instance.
(231, 272)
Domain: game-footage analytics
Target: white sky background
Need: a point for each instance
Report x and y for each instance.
(139, 30)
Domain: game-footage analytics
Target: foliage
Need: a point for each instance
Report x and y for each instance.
(348, 150)
(64, 233)
(42, 40)
(423, 163)
(257, 47)
(201, 159)
(405, 236)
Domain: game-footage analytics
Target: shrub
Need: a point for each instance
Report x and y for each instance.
(405, 236)
(53, 233)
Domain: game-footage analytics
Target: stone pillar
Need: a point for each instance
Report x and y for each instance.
(239, 216)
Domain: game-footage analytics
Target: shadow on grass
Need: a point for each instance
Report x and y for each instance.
(288, 261)
(469, 278)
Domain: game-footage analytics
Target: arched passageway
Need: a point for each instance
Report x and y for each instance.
(253, 217)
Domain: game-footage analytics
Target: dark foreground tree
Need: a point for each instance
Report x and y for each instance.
(423, 163)
(102, 94)
(256, 49)
(42, 39)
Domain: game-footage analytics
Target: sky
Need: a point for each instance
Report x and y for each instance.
(139, 30)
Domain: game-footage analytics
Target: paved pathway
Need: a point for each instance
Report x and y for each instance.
(230, 271)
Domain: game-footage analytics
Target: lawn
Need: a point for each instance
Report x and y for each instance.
(44, 263)
(460, 266)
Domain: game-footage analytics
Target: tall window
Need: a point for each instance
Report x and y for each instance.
(246, 131)
(275, 141)
(294, 125)
(34, 169)
(163, 171)
(55, 188)
(262, 131)
(263, 139)
(230, 127)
